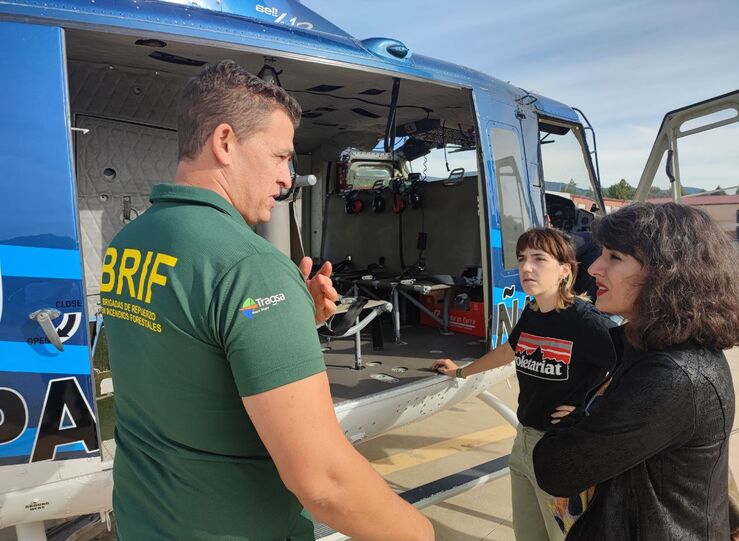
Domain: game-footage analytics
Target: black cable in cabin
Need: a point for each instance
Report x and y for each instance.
(400, 242)
(324, 221)
(391, 117)
(443, 143)
(397, 187)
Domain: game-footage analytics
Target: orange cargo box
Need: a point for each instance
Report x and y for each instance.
(470, 321)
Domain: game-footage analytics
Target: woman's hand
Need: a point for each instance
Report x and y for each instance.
(560, 412)
(445, 366)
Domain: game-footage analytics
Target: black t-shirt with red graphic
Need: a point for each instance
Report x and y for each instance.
(560, 356)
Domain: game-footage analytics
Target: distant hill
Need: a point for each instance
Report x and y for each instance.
(552, 186)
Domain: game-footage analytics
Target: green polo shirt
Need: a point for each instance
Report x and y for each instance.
(200, 311)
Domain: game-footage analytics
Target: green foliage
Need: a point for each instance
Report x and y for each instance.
(100, 360)
(106, 413)
(621, 190)
(656, 192)
(719, 191)
(106, 418)
(571, 188)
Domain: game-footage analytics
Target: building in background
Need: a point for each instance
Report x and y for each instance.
(583, 202)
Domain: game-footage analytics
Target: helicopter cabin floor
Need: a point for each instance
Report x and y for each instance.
(397, 364)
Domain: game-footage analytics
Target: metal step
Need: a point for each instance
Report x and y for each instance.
(436, 491)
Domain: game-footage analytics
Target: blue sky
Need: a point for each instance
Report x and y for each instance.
(624, 63)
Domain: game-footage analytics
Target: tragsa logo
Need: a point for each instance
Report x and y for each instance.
(251, 307)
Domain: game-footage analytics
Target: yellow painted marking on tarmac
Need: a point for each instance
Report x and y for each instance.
(420, 455)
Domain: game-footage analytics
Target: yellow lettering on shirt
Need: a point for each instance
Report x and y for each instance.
(144, 270)
(108, 276)
(155, 277)
(131, 275)
(126, 271)
(131, 312)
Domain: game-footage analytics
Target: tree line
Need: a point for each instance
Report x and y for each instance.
(623, 190)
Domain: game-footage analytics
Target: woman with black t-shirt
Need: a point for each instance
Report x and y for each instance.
(562, 349)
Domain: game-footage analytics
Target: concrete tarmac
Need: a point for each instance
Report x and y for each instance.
(459, 438)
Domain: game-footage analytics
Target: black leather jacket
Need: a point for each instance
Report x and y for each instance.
(656, 447)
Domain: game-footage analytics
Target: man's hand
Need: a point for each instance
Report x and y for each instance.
(320, 288)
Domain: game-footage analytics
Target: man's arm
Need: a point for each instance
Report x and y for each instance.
(298, 425)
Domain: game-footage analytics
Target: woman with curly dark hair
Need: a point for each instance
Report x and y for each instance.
(655, 447)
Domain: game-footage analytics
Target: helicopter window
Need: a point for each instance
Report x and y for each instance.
(437, 164)
(514, 210)
(366, 175)
(437, 151)
(565, 171)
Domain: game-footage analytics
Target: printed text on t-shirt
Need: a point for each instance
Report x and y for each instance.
(543, 357)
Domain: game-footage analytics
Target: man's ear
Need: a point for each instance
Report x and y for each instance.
(222, 143)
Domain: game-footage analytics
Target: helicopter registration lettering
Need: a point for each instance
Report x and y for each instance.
(66, 417)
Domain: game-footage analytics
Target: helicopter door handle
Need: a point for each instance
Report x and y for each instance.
(44, 317)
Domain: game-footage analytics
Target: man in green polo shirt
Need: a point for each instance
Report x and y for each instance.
(225, 425)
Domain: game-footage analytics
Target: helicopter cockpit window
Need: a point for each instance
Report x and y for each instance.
(568, 181)
(513, 200)
(564, 167)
